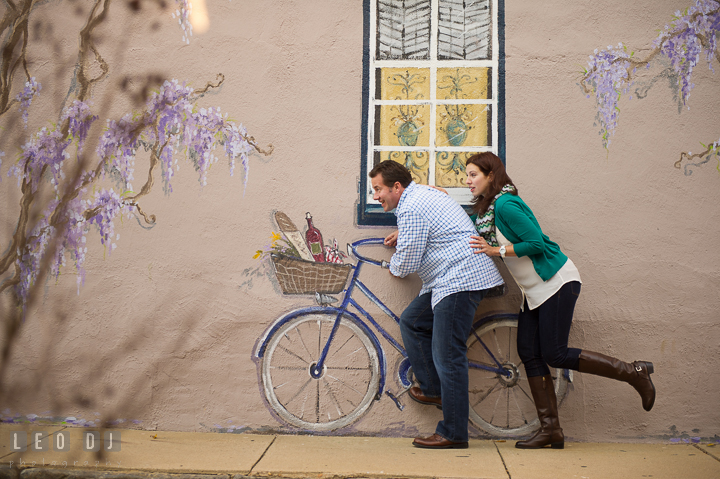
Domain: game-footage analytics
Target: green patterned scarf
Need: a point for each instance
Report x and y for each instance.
(485, 224)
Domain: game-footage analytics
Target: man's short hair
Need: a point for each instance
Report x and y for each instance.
(391, 172)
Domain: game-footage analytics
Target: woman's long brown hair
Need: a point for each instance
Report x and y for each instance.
(489, 163)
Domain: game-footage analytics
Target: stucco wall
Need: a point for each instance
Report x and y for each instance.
(164, 328)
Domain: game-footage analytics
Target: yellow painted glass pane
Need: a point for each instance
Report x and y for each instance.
(463, 125)
(417, 162)
(463, 83)
(450, 168)
(403, 83)
(402, 125)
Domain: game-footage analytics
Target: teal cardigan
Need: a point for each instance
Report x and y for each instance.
(517, 223)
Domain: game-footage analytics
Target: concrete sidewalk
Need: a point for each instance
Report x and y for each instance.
(156, 454)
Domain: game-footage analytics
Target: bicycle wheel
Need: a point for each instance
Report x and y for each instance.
(502, 404)
(346, 386)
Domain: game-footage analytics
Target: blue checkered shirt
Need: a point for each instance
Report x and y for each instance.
(434, 242)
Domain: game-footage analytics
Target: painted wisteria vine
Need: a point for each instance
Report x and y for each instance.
(689, 38)
(65, 189)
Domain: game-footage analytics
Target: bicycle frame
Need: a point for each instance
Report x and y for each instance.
(348, 301)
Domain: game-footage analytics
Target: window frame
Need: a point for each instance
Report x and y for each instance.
(370, 213)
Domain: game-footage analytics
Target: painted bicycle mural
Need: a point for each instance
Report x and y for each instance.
(323, 366)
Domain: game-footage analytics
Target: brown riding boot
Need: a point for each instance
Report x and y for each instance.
(543, 391)
(637, 374)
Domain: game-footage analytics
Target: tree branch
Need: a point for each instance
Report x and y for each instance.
(86, 43)
(688, 157)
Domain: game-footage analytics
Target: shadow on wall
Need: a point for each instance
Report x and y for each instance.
(60, 200)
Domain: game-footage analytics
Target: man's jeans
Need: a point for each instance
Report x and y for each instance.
(436, 345)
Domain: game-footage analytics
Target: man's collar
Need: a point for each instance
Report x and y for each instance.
(409, 187)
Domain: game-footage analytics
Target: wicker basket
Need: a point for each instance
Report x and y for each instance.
(297, 276)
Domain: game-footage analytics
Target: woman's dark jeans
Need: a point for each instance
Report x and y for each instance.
(543, 333)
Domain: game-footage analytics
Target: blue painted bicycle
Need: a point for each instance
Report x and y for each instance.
(323, 366)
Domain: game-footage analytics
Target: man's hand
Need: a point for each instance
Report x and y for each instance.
(438, 188)
(391, 239)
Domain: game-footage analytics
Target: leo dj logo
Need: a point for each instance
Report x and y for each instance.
(41, 441)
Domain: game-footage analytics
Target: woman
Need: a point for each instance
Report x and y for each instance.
(550, 284)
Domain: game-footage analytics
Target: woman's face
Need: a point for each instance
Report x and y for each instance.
(478, 181)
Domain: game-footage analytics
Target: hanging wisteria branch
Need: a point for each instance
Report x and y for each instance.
(611, 71)
(171, 124)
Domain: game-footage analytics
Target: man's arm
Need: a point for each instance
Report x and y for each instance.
(411, 243)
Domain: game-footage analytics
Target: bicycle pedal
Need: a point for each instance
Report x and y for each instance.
(396, 400)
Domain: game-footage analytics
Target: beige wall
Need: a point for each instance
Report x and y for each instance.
(164, 329)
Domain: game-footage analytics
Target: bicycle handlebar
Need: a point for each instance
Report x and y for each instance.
(352, 249)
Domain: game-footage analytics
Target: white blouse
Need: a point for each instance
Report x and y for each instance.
(534, 289)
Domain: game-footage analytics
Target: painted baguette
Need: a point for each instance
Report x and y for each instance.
(293, 235)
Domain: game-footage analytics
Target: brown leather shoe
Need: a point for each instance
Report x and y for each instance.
(416, 394)
(436, 441)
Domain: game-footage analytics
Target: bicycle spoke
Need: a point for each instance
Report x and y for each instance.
(525, 393)
(334, 399)
(288, 368)
(347, 386)
(495, 408)
(509, 345)
(317, 403)
(507, 409)
(522, 414)
(348, 368)
(303, 343)
(320, 348)
(486, 394)
(342, 346)
(299, 390)
(497, 344)
(302, 408)
(292, 354)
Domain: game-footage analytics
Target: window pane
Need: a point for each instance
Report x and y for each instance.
(402, 125)
(402, 83)
(463, 125)
(403, 30)
(450, 168)
(464, 31)
(416, 161)
(464, 83)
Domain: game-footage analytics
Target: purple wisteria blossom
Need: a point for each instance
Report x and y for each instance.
(25, 97)
(690, 32)
(182, 13)
(608, 74)
(170, 124)
(611, 71)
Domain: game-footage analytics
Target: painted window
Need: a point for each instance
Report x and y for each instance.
(433, 91)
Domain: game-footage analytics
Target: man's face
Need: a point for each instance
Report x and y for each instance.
(388, 196)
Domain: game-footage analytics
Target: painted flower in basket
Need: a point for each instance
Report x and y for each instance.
(278, 245)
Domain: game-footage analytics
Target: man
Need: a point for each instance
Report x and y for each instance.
(433, 240)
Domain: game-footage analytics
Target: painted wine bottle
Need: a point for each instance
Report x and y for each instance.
(314, 240)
